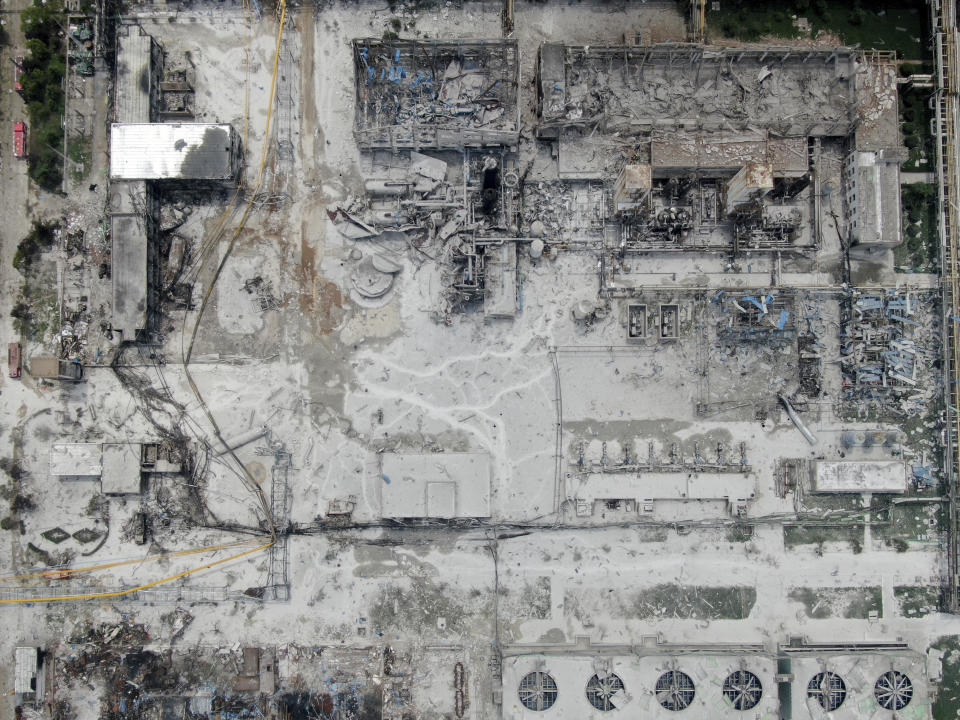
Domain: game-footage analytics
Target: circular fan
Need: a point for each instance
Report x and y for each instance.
(743, 689)
(893, 690)
(601, 691)
(829, 689)
(538, 691)
(675, 690)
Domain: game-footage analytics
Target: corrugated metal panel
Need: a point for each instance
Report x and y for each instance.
(134, 75)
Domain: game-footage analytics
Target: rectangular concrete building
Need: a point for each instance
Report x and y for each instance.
(859, 476)
(134, 269)
(174, 151)
(650, 487)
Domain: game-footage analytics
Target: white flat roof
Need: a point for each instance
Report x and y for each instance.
(665, 486)
(857, 476)
(437, 485)
(76, 459)
(178, 151)
(25, 669)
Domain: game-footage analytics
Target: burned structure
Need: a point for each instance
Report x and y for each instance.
(584, 392)
(421, 94)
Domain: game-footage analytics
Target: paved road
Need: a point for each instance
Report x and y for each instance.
(13, 176)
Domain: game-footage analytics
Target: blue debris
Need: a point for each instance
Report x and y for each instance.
(385, 479)
(923, 475)
(908, 321)
(782, 322)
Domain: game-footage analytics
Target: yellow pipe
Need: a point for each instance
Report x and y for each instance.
(57, 573)
(120, 593)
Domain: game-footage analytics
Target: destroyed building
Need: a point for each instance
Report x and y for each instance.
(565, 374)
(420, 94)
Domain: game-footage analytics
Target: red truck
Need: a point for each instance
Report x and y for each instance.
(14, 362)
(20, 139)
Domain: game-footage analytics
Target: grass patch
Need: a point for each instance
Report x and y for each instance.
(915, 117)
(748, 21)
(694, 602)
(845, 602)
(78, 150)
(917, 602)
(914, 522)
(898, 25)
(947, 704)
(794, 535)
(920, 250)
(40, 239)
(739, 532)
(36, 309)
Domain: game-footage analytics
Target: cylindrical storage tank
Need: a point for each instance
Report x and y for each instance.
(384, 187)
(851, 438)
(536, 248)
(385, 217)
(538, 229)
(583, 309)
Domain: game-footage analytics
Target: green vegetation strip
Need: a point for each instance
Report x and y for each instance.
(42, 81)
(843, 602)
(875, 24)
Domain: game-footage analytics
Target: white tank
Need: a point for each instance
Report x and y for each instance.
(536, 248)
(384, 187)
(583, 309)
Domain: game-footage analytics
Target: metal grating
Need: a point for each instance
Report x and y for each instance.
(538, 691)
(828, 689)
(743, 689)
(602, 690)
(675, 690)
(893, 690)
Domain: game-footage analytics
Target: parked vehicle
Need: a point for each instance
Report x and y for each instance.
(17, 72)
(14, 355)
(20, 139)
